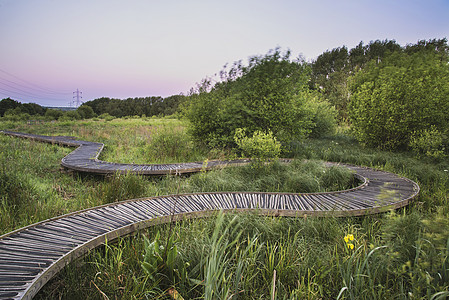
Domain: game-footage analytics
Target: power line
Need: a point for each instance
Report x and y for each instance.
(11, 89)
(43, 89)
(19, 87)
(13, 94)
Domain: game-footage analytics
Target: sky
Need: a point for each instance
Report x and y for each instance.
(139, 48)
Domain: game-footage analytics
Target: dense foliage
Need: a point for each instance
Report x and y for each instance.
(400, 98)
(260, 147)
(332, 70)
(270, 94)
(11, 106)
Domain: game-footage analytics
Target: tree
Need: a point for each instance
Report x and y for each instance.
(7, 104)
(270, 94)
(438, 46)
(149, 106)
(33, 109)
(53, 114)
(404, 94)
(85, 112)
(332, 69)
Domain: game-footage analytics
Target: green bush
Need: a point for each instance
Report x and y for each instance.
(106, 117)
(70, 115)
(16, 115)
(323, 114)
(402, 94)
(53, 114)
(85, 112)
(270, 94)
(428, 142)
(261, 146)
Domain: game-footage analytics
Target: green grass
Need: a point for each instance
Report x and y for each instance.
(296, 177)
(130, 140)
(396, 255)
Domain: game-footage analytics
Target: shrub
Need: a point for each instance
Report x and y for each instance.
(70, 115)
(270, 94)
(323, 115)
(106, 117)
(402, 94)
(428, 142)
(85, 112)
(53, 114)
(16, 115)
(261, 146)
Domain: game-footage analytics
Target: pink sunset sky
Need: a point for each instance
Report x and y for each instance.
(138, 48)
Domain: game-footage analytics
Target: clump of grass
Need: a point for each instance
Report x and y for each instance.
(16, 196)
(169, 143)
(296, 177)
(24, 194)
(119, 187)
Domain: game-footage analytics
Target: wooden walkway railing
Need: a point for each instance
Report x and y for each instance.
(32, 255)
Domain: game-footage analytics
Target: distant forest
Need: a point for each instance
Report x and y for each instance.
(148, 106)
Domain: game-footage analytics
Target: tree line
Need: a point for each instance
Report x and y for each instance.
(16, 107)
(392, 97)
(332, 69)
(147, 106)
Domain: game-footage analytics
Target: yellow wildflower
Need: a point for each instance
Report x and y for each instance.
(350, 246)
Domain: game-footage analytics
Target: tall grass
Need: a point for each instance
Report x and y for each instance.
(296, 177)
(129, 140)
(225, 258)
(121, 186)
(400, 255)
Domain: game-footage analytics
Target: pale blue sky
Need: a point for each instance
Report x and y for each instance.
(133, 48)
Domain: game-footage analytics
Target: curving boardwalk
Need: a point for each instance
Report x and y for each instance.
(31, 256)
(85, 158)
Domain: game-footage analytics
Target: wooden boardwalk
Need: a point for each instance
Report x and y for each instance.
(31, 256)
(85, 158)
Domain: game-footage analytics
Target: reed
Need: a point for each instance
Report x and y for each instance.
(396, 255)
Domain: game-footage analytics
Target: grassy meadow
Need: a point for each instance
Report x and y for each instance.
(401, 254)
